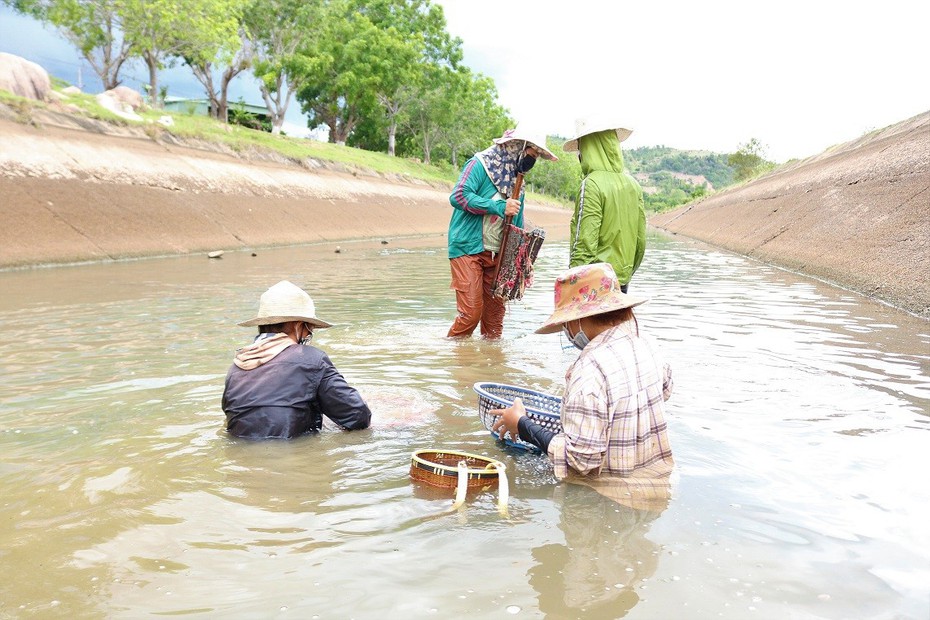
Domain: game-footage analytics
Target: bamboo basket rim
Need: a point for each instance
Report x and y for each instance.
(488, 470)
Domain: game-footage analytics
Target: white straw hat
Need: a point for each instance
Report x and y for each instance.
(534, 136)
(594, 124)
(285, 302)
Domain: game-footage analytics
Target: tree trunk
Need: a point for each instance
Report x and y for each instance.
(222, 108)
(275, 106)
(392, 136)
(223, 100)
(152, 63)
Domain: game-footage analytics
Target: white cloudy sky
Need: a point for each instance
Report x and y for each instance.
(799, 75)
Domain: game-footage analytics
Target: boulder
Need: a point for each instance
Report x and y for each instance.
(111, 103)
(24, 78)
(126, 96)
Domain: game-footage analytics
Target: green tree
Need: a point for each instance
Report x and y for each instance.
(394, 79)
(473, 115)
(411, 43)
(340, 78)
(222, 45)
(749, 160)
(94, 27)
(277, 30)
(560, 178)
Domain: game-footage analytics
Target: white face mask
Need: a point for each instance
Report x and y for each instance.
(580, 340)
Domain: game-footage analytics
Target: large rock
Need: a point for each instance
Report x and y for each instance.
(110, 101)
(126, 96)
(24, 78)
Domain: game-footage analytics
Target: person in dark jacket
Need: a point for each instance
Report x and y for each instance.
(279, 386)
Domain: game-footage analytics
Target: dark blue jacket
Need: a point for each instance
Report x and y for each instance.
(288, 396)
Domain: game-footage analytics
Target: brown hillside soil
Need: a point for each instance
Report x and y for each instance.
(96, 192)
(857, 215)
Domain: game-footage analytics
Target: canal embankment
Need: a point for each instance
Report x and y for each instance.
(74, 190)
(856, 215)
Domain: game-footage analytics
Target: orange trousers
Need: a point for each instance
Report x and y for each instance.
(471, 280)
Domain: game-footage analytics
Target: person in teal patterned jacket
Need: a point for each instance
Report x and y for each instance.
(480, 201)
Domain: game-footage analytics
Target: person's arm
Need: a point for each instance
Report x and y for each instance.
(586, 225)
(534, 433)
(581, 447)
(667, 382)
(518, 218)
(341, 402)
(465, 196)
(640, 235)
(662, 366)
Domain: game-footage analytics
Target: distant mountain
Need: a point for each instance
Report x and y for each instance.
(670, 177)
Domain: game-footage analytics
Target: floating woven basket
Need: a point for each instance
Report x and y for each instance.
(544, 409)
(461, 471)
(439, 468)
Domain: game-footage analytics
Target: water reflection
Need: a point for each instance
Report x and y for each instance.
(605, 559)
(799, 417)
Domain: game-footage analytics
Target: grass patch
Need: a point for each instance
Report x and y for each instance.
(21, 107)
(243, 140)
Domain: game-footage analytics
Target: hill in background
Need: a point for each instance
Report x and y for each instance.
(854, 215)
(669, 177)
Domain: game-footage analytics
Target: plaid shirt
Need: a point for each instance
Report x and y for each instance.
(613, 410)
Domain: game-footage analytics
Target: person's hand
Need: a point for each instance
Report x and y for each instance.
(513, 207)
(508, 419)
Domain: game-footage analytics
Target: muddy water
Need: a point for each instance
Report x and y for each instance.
(799, 423)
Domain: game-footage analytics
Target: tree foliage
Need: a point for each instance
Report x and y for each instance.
(749, 160)
(94, 27)
(378, 74)
(276, 30)
(221, 48)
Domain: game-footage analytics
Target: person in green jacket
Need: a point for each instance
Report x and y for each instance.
(480, 200)
(609, 222)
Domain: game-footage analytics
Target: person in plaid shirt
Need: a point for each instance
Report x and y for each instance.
(613, 409)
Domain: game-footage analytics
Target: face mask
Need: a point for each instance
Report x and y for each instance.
(580, 339)
(306, 339)
(526, 164)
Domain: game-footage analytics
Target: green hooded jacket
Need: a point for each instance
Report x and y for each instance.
(609, 222)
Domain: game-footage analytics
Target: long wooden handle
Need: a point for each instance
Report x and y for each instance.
(517, 186)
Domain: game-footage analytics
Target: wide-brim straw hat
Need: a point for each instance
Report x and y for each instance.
(285, 302)
(594, 124)
(585, 291)
(534, 136)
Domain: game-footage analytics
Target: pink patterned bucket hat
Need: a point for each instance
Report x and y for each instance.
(585, 291)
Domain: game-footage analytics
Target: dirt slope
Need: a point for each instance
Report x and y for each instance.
(71, 192)
(857, 215)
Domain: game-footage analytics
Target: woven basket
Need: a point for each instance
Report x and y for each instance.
(439, 468)
(544, 409)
